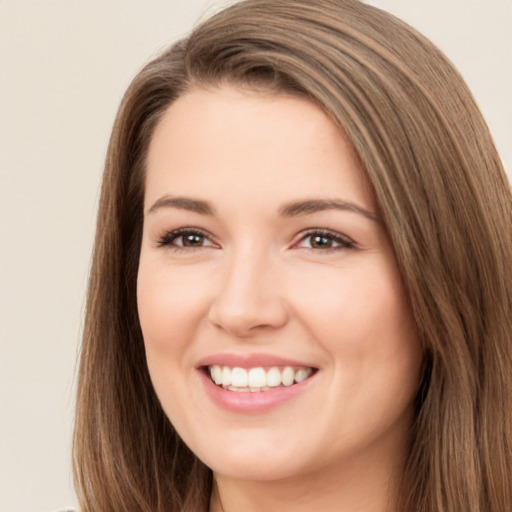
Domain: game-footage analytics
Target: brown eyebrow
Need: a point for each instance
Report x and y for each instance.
(183, 203)
(294, 208)
(309, 206)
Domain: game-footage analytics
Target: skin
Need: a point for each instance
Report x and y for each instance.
(257, 283)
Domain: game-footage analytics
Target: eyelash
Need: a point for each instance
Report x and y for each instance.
(343, 242)
(169, 238)
(333, 236)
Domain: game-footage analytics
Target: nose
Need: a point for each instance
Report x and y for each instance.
(250, 297)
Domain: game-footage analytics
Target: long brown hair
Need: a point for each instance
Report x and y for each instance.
(444, 200)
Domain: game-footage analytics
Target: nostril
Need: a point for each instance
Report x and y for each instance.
(248, 301)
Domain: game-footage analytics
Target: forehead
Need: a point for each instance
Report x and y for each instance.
(246, 139)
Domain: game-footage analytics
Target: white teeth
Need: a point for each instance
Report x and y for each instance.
(288, 376)
(274, 377)
(216, 373)
(226, 376)
(257, 379)
(239, 378)
(302, 373)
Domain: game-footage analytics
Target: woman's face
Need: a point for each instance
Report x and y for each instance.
(264, 263)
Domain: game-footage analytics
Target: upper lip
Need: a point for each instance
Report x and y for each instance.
(250, 361)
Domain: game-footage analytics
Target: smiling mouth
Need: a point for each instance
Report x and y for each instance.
(257, 379)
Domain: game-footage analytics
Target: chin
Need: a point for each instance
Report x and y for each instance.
(255, 463)
(260, 470)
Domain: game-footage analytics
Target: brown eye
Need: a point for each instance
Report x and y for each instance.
(325, 240)
(186, 239)
(190, 240)
(320, 242)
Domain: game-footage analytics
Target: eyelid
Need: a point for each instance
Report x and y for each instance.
(344, 241)
(165, 241)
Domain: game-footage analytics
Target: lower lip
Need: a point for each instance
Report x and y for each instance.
(252, 402)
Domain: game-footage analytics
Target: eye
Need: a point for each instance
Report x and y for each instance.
(324, 239)
(185, 238)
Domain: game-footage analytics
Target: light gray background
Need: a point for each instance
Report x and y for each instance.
(63, 68)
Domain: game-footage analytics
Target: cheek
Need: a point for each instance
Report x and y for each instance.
(170, 306)
(171, 303)
(362, 319)
(386, 346)
(360, 301)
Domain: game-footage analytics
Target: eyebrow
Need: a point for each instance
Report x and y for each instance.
(309, 206)
(292, 209)
(183, 203)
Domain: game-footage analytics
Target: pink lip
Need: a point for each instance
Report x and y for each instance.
(250, 361)
(250, 402)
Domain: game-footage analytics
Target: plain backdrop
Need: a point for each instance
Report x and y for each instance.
(64, 66)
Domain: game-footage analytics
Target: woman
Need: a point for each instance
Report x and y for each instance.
(301, 292)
